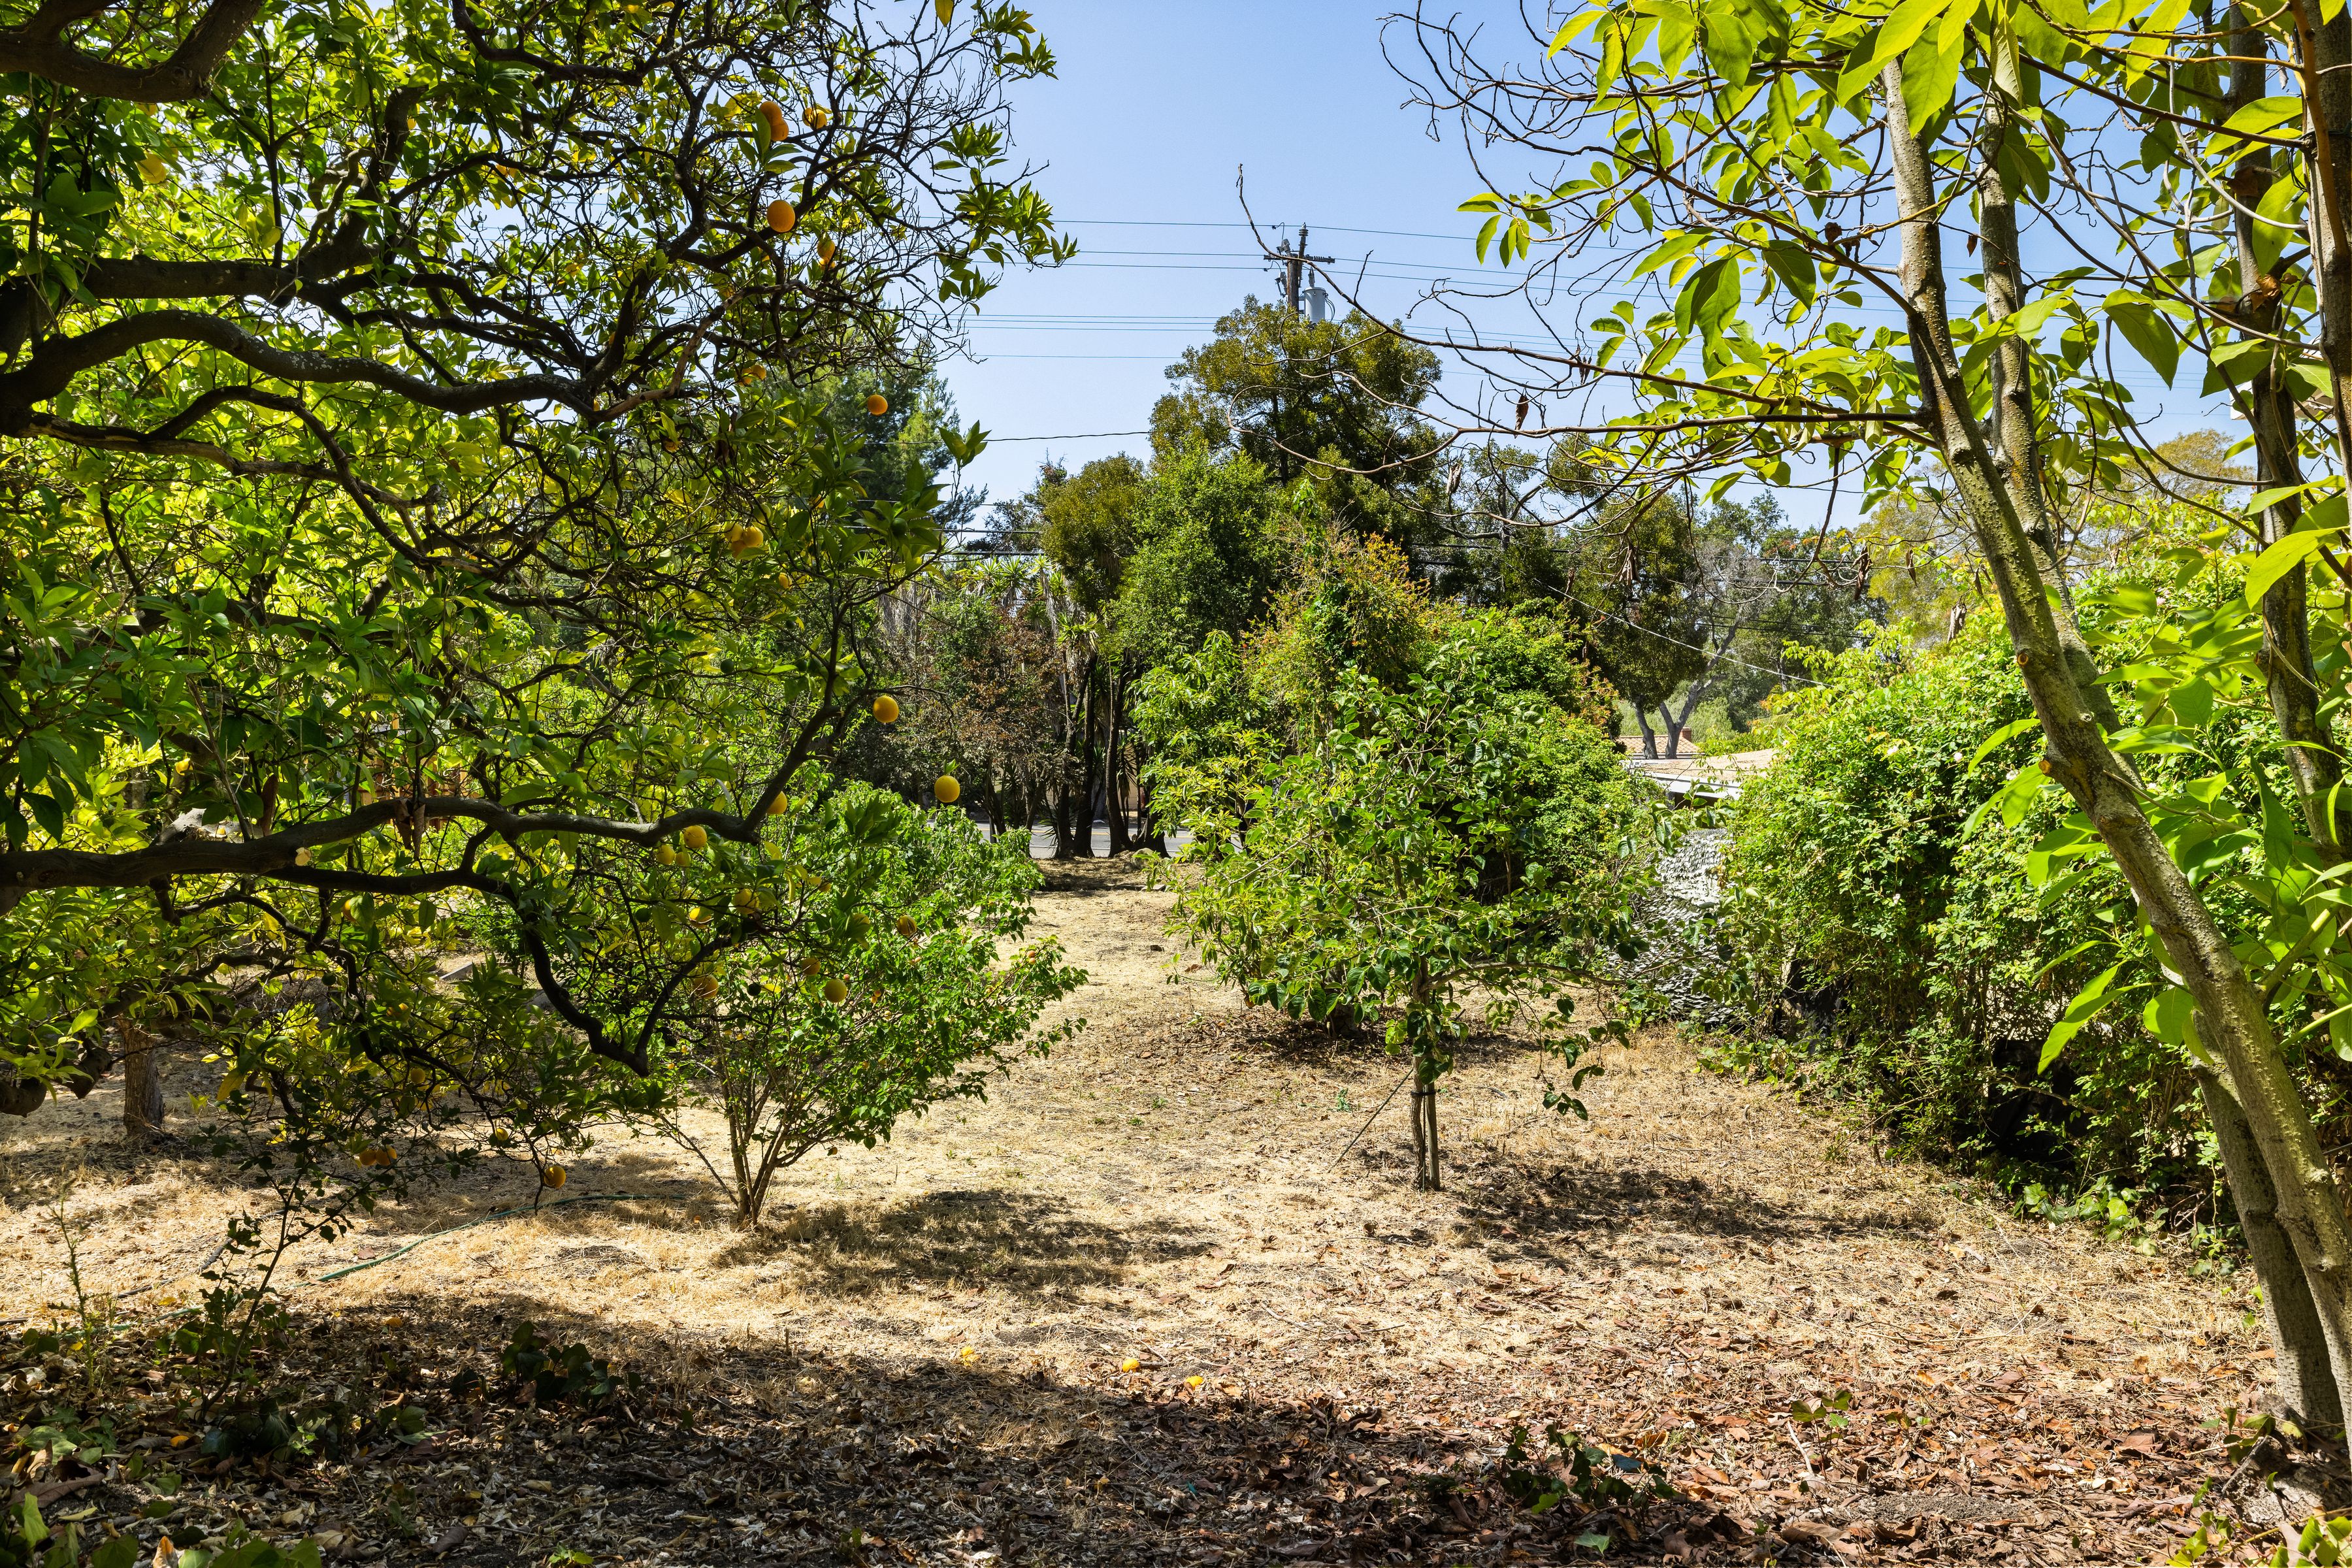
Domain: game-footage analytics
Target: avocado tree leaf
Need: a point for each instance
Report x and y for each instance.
(2085, 1006)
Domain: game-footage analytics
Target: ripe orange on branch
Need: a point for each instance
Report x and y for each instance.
(773, 114)
(876, 404)
(781, 216)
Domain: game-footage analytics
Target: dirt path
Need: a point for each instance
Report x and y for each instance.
(921, 1360)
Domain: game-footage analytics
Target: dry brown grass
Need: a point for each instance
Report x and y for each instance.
(1673, 1273)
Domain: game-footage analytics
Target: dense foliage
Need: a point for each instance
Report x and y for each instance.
(1885, 952)
(874, 990)
(455, 467)
(1429, 822)
(1910, 924)
(1761, 171)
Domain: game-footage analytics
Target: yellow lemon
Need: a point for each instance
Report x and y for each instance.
(817, 115)
(825, 249)
(694, 837)
(887, 709)
(780, 804)
(835, 992)
(906, 925)
(665, 855)
(1130, 1365)
(551, 1177)
(946, 788)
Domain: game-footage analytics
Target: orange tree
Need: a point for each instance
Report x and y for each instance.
(870, 988)
(434, 463)
(1450, 839)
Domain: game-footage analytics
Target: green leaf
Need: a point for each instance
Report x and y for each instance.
(2149, 332)
(1929, 76)
(2085, 1006)
(1901, 30)
(2262, 118)
(1709, 294)
(1569, 29)
(2278, 219)
(48, 811)
(2171, 1016)
(2280, 559)
(2009, 802)
(2000, 737)
(2233, 365)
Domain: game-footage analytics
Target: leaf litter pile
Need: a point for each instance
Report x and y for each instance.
(1139, 1308)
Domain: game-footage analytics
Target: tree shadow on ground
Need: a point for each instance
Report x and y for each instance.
(872, 1455)
(1023, 1242)
(1544, 1207)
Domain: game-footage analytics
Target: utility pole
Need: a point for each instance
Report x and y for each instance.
(1293, 260)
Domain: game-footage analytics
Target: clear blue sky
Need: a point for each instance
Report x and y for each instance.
(1154, 113)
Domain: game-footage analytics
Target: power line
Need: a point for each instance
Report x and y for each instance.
(1089, 435)
(1180, 223)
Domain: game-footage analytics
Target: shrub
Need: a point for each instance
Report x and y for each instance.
(1459, 830)
(1895, 930)
(870, 991)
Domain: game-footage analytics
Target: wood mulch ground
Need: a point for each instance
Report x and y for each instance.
(1139, 1309)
